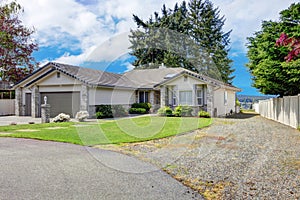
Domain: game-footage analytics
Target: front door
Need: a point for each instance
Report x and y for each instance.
(28, 104)
(143, 97)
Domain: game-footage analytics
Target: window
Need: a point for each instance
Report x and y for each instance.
(174, 98)
(143, 97)
(185, 98)
(58, 75)
(199, 96)
(225, 98)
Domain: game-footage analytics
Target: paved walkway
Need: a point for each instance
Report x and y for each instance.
(32, 169)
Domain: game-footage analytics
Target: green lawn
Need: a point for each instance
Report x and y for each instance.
(107, 131)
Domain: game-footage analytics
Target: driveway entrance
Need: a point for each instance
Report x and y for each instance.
(33, 169)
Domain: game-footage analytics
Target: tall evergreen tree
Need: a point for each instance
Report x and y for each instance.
(188, 36)
(207, 33)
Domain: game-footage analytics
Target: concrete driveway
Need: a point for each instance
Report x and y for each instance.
(31, 169)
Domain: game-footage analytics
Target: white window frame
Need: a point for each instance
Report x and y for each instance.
(186, 101)
(142, 94)
(199, 88)
(225, 98)
(174, 98)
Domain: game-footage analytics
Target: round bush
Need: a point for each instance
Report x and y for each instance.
(165, 111)
(137, 111)
(203, 114)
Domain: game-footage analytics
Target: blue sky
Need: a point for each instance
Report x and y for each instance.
(94, 33)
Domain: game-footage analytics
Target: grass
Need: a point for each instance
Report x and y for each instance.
(107, 132)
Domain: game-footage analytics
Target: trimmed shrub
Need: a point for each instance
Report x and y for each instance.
(108, 111)
(177, 111)
(137, 111)
(99, 115)
(183, 111)
(186, 111)
(146, 106)
(62, 117)
(165, 111)
(105, 110)
(203, 114)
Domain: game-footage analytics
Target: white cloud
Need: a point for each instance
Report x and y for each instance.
(111, 49)
(99, 29)
(129, 66)
(244, 17)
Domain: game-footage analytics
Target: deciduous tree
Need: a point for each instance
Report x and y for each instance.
(271, 73)
(16, 44)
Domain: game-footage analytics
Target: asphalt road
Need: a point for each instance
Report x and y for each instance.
(31, 169)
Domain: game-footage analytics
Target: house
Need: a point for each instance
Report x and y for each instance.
(70, 89)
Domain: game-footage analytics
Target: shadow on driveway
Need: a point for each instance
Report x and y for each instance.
(242, 115)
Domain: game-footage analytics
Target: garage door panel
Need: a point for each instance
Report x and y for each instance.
(63, 102)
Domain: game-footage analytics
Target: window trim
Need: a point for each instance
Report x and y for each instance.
(144, 99)
(174, 97)
(225, 98)
(200, 97)
(191, 95)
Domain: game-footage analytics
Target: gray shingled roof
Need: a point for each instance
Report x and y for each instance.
(91, 76)
(138, 78)
(148, 78)
(151, 78)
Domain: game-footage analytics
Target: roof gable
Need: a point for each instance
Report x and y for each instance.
(85, 75)
(55, 79)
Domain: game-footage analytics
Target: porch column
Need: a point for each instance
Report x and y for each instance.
(84, 98)
(210, 100)
(35, 101)
(194, 95)
(162, 96)
(19, 102)
(151, 98)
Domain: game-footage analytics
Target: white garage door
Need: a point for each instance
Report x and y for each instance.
(62, 102)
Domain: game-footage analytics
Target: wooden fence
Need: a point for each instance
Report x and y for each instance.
(285, 110)
(7, 107)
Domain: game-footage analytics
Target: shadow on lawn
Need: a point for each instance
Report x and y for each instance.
(242, 115)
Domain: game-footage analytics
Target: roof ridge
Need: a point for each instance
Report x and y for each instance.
(80, 67)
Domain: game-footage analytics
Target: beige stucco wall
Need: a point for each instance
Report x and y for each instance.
(52, 79)
(98, 96)
(180, 84)
(60, 88)
(53, 84)
(219, 103)
(185, 85)
(231, 101)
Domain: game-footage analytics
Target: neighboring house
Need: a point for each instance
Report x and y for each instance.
(70, 89)
(7, 102)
